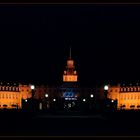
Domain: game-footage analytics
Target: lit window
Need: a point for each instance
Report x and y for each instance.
(131, 96)
(128, 97)
(128, 89)
(124, 97)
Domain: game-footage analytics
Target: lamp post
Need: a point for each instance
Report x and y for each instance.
(106, 91)
(46, 100)
(32, 101)
(91, 95)
(33, 92)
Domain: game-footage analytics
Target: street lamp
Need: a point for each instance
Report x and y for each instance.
(84, 100)
(112, 101)
(106, 87)
(32, 88)
(106, 90)
(54, 100)
(46, 95)
(91, 95)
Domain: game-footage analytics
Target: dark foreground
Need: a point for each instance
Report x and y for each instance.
(69, 124)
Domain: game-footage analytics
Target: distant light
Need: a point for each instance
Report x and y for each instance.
(32, 87)
(54, 100)
(91, 95)
(84, 100)
(26, 100)
(112, 101)
(106, 87)
(46, 95)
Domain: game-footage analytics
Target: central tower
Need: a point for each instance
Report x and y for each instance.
(70, 74)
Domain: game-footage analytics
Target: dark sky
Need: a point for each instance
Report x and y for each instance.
(35, 41)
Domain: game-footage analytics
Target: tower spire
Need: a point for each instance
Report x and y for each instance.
(70, 52)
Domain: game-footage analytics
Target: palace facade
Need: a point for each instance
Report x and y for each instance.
(69, 94)
(128, 97)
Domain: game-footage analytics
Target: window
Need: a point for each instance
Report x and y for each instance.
(128, 89)
(9, 88)
(128, 97)
(124, 97)
(132, 97)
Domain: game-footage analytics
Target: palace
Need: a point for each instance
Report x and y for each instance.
(128, 97)
(11, 95)
(68, 95)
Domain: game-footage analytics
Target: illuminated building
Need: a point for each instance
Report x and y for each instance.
(70, 74)
(69, 90)
(11, 95)
(128, 97)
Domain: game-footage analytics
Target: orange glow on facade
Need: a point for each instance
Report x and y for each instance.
(11, 96)
(70, 74)
(127, 97)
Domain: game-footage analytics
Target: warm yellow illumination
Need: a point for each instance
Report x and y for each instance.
(127, 97)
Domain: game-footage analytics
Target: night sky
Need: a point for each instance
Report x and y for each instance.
(35, 41)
